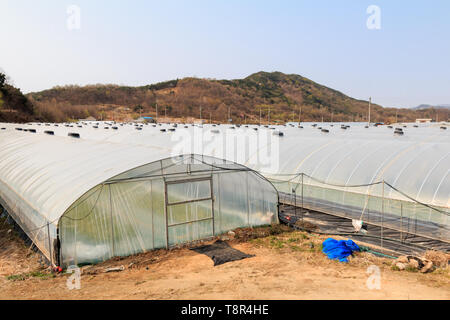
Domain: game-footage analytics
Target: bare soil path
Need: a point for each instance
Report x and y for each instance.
(286, 266)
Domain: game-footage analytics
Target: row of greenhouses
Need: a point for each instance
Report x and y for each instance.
(85, 192)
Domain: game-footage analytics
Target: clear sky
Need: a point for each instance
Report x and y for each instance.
(405, 63)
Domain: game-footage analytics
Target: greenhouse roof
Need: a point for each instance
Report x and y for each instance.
(54, 170)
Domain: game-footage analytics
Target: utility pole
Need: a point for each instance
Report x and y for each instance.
(396, 116)
(268, 117)
(200, 113)
(157, 112)
(300, 116)
(260, 112)
(165, 112)
(229, 114)
(370, 102)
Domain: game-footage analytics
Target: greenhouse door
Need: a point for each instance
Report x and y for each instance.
(189, 210)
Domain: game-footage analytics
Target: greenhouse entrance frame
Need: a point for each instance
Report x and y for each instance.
(188, 201)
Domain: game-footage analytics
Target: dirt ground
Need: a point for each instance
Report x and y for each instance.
(288, 265)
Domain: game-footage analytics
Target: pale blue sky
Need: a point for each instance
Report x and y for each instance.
(135, 42)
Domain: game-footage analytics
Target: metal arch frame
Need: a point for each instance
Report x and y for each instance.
(429, 174)
(396, 157)
(439, 185)
(360, 162)
(406, 166)
(343, 158)
(258, 151)
(381, 169)
(355, 169)
(312, 153)
(309, 148)
(330, 154)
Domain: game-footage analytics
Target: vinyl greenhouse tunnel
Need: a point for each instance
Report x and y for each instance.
(163, 204)
(88, 192)
(89, 209)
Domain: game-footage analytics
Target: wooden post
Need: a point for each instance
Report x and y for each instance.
(382, 213)
(303, 209)
(166, 214)
(212, 205)
(401, 221)
(112, 222)
(49, 243)
(295, 200)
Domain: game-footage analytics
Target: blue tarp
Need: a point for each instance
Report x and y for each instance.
(339, 250)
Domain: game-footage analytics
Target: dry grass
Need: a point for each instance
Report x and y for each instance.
(439, 259)
(181, 97)
(287, 264)
(284, 240)
(310, 245)
(15, 257)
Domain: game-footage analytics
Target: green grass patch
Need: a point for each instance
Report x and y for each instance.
(411, 269)
(276, 243)
(395, 268)
(295, 248)
(33, 274)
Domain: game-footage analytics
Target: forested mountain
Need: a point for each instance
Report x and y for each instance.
(285, 95)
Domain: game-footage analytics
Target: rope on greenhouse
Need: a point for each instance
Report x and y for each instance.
(330, 184)
(353, 234)
(344, 186)
(90, 211)
(100, 192)
(365, 185)
(143, 175)
(51, 222)
(340, 186)
(242, 169)
(412, 199)
(245, 169)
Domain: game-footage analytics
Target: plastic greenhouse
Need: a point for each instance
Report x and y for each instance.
(86, 201)
(397, 181)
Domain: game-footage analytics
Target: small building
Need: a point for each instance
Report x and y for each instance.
(149, 119)
(145, 119)
(87, 119)
(424, 120)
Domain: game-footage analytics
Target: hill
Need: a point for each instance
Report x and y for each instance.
(14, 106)
(283, 94)
(429, 106)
